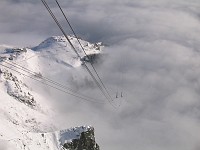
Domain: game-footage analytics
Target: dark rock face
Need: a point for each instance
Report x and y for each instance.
(94, 58)
(85, 142)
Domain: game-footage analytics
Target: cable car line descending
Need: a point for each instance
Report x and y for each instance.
(60, 27)
(48, 80)
(36, 74)
(49, 85)
(53, 16)
(93, 77)
(83, 48)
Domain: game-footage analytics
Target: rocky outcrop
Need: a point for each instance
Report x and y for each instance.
(18, 89)
(92, 58)
(85, 141)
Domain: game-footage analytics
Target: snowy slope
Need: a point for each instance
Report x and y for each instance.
(57, 48)
(26, 119)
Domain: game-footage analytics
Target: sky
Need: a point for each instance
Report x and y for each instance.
(153, 49)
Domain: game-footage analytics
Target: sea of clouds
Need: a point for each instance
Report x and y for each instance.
(153, 56)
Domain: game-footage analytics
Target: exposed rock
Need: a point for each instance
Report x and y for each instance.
(86, 141)
(92, 58)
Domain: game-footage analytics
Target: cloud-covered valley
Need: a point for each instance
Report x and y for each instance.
(152, 56)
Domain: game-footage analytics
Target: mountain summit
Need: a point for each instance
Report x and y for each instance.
(26, 117)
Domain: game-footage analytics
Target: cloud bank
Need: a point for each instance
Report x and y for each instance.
(153, 57)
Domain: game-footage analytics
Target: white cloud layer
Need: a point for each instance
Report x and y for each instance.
(153, 57)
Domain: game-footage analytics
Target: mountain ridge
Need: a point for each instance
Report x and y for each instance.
(26, 119)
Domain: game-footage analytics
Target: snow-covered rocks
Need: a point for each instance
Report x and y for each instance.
(79, 138)
(18, 89)
(58, 48)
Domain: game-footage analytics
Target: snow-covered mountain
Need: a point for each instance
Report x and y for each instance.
(25, 114)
